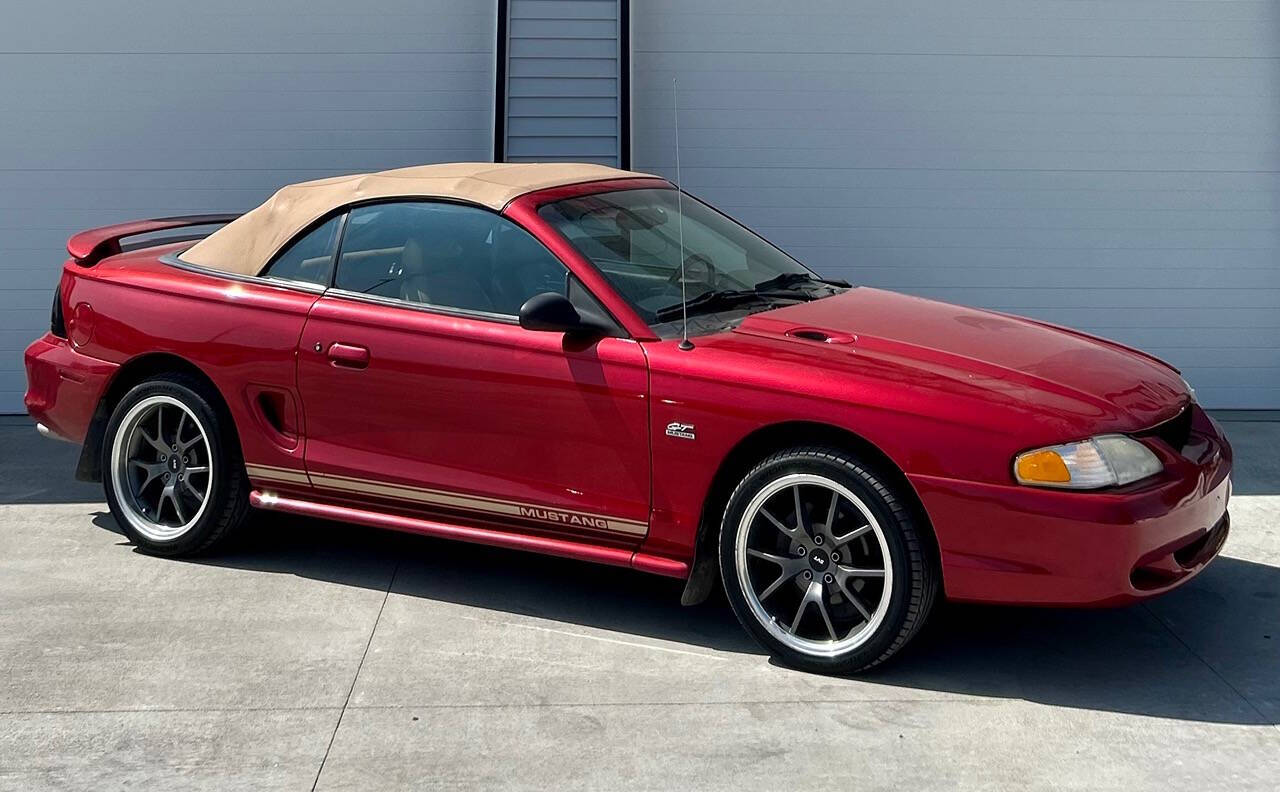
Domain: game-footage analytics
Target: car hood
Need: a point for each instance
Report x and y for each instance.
(1026, 362)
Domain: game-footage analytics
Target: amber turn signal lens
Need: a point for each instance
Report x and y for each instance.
(1042, 467)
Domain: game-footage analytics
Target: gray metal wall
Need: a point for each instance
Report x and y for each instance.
(562, 81)
(1108, 164)
(121, 109)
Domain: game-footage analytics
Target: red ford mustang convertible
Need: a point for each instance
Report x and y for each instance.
(498, 354)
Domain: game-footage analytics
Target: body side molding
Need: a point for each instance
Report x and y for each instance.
(613, 556)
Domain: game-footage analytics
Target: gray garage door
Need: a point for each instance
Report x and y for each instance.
(123, 109)
(1108, 164)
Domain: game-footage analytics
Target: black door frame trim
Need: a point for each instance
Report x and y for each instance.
(624, 83)
(500, 85)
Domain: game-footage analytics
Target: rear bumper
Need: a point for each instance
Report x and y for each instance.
(64, 387)
(1020, 545)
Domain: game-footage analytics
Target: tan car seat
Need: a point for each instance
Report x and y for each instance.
(441, 276)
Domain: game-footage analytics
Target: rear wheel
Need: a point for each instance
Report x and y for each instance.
(823, 562)
(173, 475)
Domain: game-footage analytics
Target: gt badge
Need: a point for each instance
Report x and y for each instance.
(677, 429)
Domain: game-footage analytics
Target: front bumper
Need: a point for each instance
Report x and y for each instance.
(63, 387)
(1021, 545)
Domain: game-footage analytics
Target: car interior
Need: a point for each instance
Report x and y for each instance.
(456, 258)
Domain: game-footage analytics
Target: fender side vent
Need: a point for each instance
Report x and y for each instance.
(271, 405)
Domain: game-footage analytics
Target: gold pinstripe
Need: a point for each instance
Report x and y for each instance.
(478, 503)
(289, 475)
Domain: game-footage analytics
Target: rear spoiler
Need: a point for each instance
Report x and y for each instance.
(90, 247)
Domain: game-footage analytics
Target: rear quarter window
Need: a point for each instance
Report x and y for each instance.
(308, 259)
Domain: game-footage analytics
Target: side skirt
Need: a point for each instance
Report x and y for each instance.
(613, 556)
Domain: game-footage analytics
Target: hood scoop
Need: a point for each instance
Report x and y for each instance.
(819, 335)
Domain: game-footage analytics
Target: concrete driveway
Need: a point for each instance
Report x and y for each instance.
(335, 657)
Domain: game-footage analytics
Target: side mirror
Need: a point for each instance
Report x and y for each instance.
(554, 313)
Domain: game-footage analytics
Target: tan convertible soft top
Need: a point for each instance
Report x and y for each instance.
(244, 245)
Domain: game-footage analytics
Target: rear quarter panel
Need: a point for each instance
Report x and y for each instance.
(242, 334)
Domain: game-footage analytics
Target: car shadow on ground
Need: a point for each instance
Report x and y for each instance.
(1194, 654)
(35, 469)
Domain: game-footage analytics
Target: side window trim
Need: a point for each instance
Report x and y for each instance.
(341, 215)
(596, 306)
(337, 249)
(175, 260)
(444, 310)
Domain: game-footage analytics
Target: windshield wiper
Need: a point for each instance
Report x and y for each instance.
(720, 299)
(788, 280)
(715, 299)
(781, 288)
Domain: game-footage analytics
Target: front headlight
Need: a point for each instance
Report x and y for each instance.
(1103, 461)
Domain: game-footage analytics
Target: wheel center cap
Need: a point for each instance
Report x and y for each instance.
(818, 560)
(174, 463)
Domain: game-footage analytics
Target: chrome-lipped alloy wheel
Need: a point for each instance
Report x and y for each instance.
(813, 565)
(162, 468)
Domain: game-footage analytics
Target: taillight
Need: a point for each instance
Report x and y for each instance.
(57, 325)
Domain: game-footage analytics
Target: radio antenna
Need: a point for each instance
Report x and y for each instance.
(685, 343)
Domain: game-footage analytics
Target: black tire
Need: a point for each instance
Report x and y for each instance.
(228, 491)
(913, 582)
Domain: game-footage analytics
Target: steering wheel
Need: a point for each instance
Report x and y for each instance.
(697, 271)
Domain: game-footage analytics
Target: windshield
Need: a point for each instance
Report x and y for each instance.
(634, 238)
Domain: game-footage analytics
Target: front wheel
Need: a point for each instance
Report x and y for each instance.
(171, 469)
(823, 562)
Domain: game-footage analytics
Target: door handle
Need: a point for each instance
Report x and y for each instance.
(348, 355)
